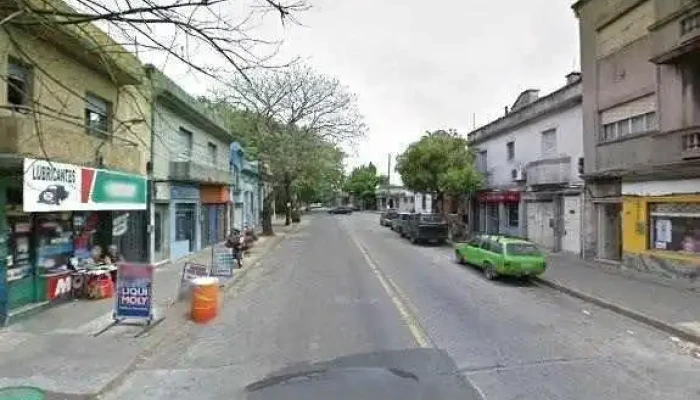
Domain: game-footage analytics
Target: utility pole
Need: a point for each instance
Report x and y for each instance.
(388, 169)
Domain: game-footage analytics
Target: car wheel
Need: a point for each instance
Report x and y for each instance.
(458, 257)
(490, 272)
(413, 239)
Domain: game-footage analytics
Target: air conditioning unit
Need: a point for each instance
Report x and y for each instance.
(519, 174)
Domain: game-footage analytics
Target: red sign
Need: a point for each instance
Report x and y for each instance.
(59, 286)
(510, 196)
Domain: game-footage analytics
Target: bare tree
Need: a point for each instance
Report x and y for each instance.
(292, 108)
(213, 37)
(298, 96)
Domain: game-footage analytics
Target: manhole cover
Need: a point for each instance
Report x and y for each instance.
(21, 393)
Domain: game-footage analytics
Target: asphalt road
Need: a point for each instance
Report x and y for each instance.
(343, 285)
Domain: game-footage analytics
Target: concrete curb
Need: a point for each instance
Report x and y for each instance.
(150, 348)
(635, 315)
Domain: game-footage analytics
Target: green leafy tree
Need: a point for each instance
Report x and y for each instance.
(439, 163)
(361, 183)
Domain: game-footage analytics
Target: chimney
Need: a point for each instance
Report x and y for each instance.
(573, 78)
(506, 110)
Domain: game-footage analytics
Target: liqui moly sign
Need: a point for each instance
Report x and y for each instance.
(134, 291)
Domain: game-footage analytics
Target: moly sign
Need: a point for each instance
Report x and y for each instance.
(50, 186)
(134, 297)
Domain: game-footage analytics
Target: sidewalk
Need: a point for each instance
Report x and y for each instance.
(58, 350)
(671, 307)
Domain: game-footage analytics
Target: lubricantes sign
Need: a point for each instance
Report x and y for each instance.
(50, 186)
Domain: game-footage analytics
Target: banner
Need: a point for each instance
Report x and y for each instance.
(224, 263)
(134, 297)
(50, 186)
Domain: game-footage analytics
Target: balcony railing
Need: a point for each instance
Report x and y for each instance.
(191, 171)
(556, 171)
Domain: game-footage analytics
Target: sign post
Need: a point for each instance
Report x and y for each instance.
(134, 299)
(224, 264)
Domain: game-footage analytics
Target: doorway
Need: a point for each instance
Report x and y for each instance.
(609, 231)
(161, 235)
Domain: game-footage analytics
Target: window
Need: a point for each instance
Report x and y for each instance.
(549, 143)
(185, 142)
(609, 132)
(514, 174)
(496, 247)
(675, 227)
(97, 115)
(629, 126)
(510, 147)
(691, 142)
(19, 79)
(513, 210)
(431, 217)
(638, 124)
(623, 127)
(422, 197)
(211, 148)
(481, 163)
(522, 249)
(690, 24)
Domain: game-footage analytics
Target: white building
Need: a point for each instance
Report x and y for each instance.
(531, 157)
(403, 200)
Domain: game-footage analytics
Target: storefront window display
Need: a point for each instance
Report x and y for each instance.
(675, 227)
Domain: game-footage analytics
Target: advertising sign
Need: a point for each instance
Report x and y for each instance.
(191, 271)
(224, 263)
(50, 186)
(134, 297)
(59, 286)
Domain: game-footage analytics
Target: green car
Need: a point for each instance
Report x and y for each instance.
(500, 255)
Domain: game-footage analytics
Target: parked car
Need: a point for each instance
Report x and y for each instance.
(386, 217)
(430, 228)
(398, 224)
(500, 255)
(340, 210)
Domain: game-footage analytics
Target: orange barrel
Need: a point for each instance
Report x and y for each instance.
(205, 299)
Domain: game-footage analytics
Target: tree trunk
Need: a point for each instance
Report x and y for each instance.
(287, 202)
(436, 200)
(267, 214)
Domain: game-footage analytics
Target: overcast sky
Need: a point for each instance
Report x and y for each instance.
(418, 65)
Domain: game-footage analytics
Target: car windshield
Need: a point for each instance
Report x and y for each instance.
(522, 249)
(431, 218)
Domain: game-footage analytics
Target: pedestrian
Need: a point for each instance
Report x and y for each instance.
(235, 243)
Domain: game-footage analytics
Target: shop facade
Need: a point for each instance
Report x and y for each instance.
(661, 226)
(185, 219)
(499, 213)
(54, 217)
(215, 201)
(247, 189)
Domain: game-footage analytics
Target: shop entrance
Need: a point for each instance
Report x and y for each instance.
(185, 229)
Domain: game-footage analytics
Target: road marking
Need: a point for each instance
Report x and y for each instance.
(397, 297)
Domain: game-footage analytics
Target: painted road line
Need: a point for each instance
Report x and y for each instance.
(401, 302)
